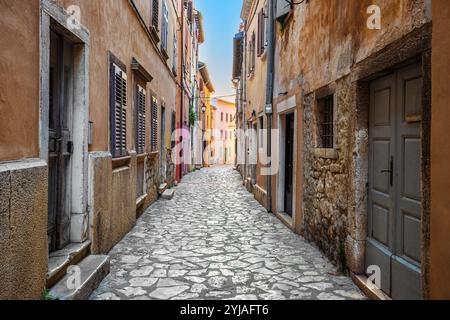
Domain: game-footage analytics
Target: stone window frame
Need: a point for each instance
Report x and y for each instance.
(320, 94)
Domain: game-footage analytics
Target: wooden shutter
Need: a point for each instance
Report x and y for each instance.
(154, 126)
(118, 111)
(190, 12)
(164, 26)
(173, 127)
(155, 14)
(259, 41)
(141, 104)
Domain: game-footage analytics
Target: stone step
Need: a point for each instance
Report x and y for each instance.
(93, 269)
(168, 194)
(60, 260)
(162, 188)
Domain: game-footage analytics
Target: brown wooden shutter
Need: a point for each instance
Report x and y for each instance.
(190, 12)
(118, 87)
(154, 126)
(155, 14)
(140, 119)
(258, 41)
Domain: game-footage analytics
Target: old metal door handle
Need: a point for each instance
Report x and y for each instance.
(390, 171)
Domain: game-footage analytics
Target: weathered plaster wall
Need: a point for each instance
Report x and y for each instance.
(19, 91)
(324, 39)
(114, 27)
(255, 95)
(112, 206)
(440, 153)
(318, 49)
(23, 229)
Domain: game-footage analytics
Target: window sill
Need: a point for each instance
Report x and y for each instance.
(324, 153)
(154, 33)
(121, 162)
(153, 154)
(164, 53)
(263, 56)
(141, 156)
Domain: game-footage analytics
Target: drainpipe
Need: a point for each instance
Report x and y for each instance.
(244, 101)
(182, 69)
(269, 96)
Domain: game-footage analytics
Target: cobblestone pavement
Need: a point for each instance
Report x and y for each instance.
(214, 241)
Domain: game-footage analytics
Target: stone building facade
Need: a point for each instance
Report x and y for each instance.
(340, 82)
(97, 82)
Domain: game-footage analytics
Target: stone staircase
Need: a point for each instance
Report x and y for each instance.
(93, 269)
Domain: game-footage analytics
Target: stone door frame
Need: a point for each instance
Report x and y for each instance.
(414, 47)
(289, 106)
(52, 15)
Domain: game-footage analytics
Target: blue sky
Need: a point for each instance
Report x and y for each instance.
(221, 20)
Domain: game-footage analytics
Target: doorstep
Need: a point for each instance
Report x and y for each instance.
(370, 292)
(60, 260)
(92, 270)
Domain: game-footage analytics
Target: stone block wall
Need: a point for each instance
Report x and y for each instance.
(326, 181)
(23, 229)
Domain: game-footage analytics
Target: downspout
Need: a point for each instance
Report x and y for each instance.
(244, 102)
(180, 165)
(269, 97)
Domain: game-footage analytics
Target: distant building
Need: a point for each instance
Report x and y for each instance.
(225, 133)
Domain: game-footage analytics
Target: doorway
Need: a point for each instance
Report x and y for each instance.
(289, 165)
(395, 197)
(60, 147)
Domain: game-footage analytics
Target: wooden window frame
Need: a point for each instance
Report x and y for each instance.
(118, 145)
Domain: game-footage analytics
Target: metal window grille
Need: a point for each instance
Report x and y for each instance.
(327, 122)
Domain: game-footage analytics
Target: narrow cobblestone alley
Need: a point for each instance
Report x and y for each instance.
(214, 241)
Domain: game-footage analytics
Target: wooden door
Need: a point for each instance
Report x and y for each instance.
(60, 144)
(394, 208)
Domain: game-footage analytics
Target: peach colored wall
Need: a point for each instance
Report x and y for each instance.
(19, 87)
(114, 27)
(325, 38)
(256, 84)
(440, 154)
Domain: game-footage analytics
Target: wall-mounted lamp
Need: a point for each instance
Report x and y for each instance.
(203, 108)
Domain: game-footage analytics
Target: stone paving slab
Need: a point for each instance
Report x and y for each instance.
(214, 241)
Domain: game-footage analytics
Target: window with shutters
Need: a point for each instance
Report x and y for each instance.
(175, 53)
(154, 124)
(164, 27)
(118, 111)
(155, 14)
(173, 127)
(141, 103)
(251, 48)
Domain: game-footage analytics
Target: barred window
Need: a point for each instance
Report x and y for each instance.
(326, 122)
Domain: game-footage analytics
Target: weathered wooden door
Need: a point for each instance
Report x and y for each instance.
(60, 144)
(289, 164)
(394, 207)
